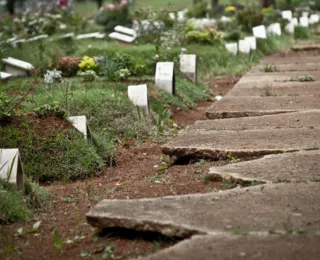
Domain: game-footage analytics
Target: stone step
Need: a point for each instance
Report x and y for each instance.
(288, 67)
(272, 247)
(230, 107)
(278, 76)
(305, 119)
(301, 58)
(306, 47)
(275, 89)
(265, 208)
(217, 144)
(302, 166)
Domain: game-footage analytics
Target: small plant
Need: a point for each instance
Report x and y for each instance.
(10, 105)
(249, 18)
(51, 110)
(123, 74)
(270, 68)
(52, 76)
(306, 78)
(57, 240)
(88, 76)
(69, 66)
(233, 159)
(88, 63)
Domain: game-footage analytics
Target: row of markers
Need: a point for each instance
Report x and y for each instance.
(249, 43)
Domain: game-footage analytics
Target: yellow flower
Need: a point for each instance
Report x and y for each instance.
(230, 9)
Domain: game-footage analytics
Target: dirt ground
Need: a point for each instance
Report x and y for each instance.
(141, 172)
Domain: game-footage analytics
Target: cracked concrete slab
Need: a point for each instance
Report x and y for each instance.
(304, 119)
(302, 166)
(272, 247)
(259, 209)
(230, 107)
(247, 143)
(279, 89)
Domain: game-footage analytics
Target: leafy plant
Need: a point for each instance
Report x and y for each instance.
(10, 105)
(52, 76)
(123, 74)
(204, 36)
(88, 63)
(88, 75)
(249, 17)
(69, 66)
(51, 110)
(57, 240)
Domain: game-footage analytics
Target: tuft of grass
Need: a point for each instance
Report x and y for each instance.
(270, 68)
(301, 33)
(306, 78)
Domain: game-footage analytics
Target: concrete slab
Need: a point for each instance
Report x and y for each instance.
(305, 119)
(275, 89)
(276, 207)
(247, 143)
(230, 107)
(300, 58)
(272, 247)
(302, 166)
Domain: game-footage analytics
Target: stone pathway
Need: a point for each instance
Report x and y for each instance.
(266, 114)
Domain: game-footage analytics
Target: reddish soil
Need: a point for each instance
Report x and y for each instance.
(141, 172)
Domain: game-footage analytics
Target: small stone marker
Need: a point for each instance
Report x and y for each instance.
(172, 16)
(66, 36)
(275, 29)
(17, 67)
(295, 21)
(188, 66)
(181, 15)
(95, 35)
(81, 124)
(287, 14)
(304, 21)
(225, 19)
(11, 169)
(252, 41)
(259, 32)
(305, 14)
(232, 48)
(314, 18)
(139, 97)
(125, 30)
(244, 47)
(165, 78)
(121, 37)
(290, 28)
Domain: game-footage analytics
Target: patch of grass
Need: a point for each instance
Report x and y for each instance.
(301, 33)
(306, 78)
(59, 156)
(270, 68)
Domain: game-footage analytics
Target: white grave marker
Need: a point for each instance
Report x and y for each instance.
(295, 21)
(232, 48)
(305, 14)
(37, 38)
(4, 76)
(10, 160)
(188, 66)
(287, 14)
(81, 124)
(290, 28)
(304, 21)
(259, 32)
(95, 35)
(274, 29)
(139, 97)
(121, 37)
(125, 30)
(66, 36)
(252, 42)
(17, 67)
(181, 15)
(165, 78)
(172, 16)
(314, 18)
(244, 47)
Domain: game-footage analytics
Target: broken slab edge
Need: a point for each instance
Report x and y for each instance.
(167, 229)
(237, 114)
(181, 152)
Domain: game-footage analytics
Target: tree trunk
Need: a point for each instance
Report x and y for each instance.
(10, 6)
